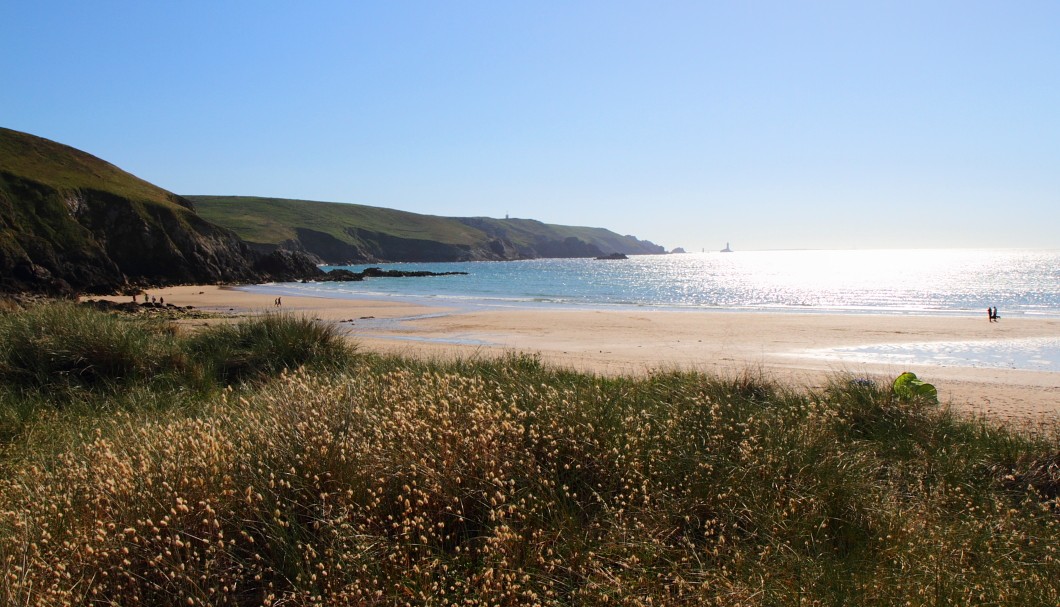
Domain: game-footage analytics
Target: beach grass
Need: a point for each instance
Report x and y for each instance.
(372, 480)
(77, 360)
(265, 345)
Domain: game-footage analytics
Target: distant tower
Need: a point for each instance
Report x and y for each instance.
(506, 216)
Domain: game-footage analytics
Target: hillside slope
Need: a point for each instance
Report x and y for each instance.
(339, 233)
(71, 222)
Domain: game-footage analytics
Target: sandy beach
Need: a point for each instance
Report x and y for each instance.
(781, 346)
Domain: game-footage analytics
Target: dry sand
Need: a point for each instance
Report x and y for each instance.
(725, 343)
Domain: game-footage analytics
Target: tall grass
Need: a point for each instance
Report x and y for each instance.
(62, 347)
(70, 358)
(265, 345)
(505, 482)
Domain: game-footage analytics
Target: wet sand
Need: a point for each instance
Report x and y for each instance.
(722, 342)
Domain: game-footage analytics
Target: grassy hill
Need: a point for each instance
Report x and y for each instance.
(68, 169)
(339, 233)
(71, 222)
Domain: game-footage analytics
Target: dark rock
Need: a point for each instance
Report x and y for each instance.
(343, 275)
(380, 273)
(284, 266)
(568, 247)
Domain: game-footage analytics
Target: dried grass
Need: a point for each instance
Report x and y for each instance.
(507, 483)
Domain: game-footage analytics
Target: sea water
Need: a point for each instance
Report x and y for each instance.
(1020, 283)
(951, 282)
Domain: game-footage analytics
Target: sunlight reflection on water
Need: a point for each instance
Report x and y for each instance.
(1030, 354)
(880, 281)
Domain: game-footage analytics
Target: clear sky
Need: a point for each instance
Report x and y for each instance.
(770, 124)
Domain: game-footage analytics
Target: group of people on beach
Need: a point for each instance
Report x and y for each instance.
(152, 299)
(991, 313)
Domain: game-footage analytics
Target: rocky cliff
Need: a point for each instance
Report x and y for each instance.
(70, 222)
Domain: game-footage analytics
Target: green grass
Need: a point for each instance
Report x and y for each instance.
(372, 480)
(63, 347)
(273, 220)
(77, 359)
(265, 346)
(65, 168)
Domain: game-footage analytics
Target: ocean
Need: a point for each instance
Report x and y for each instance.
(951, 282)
(1020, 283)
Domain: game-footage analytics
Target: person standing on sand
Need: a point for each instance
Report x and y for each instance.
(995, 314)
(990, 314)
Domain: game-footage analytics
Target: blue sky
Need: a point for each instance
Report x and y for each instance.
(772, 125)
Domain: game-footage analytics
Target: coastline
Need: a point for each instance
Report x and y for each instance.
(780, 346)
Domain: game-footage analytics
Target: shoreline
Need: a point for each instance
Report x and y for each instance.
(777, 346)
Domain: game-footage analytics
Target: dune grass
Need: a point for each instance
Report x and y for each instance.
(383, 481)
(75, 359)
(64, 346)
(264, 346)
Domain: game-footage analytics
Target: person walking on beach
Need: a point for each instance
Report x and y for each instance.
(995, 314)
(990, 314)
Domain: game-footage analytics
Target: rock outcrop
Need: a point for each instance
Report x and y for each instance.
(344, 275)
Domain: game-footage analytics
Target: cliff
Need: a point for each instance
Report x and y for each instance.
(338, 233)
(71, 222)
